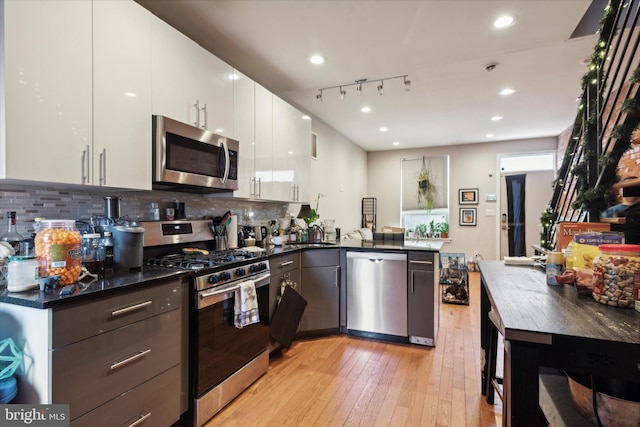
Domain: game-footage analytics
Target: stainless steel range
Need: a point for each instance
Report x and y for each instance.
(223, 359)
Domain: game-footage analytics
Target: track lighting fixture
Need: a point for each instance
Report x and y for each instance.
(359, 83)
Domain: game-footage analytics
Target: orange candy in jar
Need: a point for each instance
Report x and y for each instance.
(58, 250)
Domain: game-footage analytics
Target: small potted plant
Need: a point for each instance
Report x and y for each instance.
(434, 230)
(444, 230)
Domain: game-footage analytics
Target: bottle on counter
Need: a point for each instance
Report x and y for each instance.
(107, 241)
(12, 236)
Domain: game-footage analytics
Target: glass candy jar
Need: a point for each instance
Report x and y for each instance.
(616, 269)
(58, 250)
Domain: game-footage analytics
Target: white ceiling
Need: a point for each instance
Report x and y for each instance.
(443, 46)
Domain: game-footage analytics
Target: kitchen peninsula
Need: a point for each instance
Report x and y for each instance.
(549, 326)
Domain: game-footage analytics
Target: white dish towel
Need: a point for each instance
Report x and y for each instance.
(246, 305)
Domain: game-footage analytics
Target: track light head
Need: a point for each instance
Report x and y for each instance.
(359, 83)
(407, 83)
(359, 89)
(381, 88)
(319, 96)
(343, 93)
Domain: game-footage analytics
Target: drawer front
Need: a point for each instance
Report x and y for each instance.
(320, 257)
(155, 403)
(283, 263)
(88, 373)
(80, 321)
(422, 261)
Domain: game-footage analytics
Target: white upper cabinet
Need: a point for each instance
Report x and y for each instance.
(189, 84)
(48, 90)
(121, 94)
(244, 102)
(291, 152)
(174, 74)
(264, 184)
(215, 94)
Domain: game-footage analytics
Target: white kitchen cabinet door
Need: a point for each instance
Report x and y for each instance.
(122, 95)
(244, 102)
(302, 151)
(48, 90)
(265, 188)
(174, 76)
(284, 150)
(215, 94)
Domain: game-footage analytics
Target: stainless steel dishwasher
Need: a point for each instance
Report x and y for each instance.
(377, 293)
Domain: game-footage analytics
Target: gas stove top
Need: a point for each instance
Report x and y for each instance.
(198, 261)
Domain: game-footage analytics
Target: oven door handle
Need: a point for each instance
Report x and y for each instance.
(259, 281)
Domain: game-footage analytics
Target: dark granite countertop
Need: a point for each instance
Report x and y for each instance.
(149, 275)
(86, 290)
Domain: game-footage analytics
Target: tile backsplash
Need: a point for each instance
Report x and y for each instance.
(53, 202)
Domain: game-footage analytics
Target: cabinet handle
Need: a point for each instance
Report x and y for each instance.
(338, 277)
(259, 188)
(284, 264)
(206, 117)
(253, 187)
(140, 420)
(293, 196)
(85, 161)
(103, 167)
(128, 360)
(197, 107)
(130, 308)
(421, 262)
(412, 281)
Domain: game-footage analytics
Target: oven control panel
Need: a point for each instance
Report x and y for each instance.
(238, 273)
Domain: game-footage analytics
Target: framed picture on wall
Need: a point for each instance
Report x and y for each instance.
(468, 196)
(468, 216)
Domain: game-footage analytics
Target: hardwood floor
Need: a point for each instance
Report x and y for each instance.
(346, 381)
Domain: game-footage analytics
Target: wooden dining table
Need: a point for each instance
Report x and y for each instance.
(552, 327)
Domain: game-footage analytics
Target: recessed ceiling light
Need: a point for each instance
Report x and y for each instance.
(383, 129)
(496, 118)
(504, 21)
(317, 59)
(219, 130)
(489, 135)
(305, 117)
(233, 76)
(130, 94)
(396, 143)
(507, 91)
(366, 109)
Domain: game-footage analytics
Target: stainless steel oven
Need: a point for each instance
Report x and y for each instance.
(188, 157)
(227, 358)
(223, 359)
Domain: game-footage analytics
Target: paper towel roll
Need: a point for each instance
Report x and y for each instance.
(232, 233)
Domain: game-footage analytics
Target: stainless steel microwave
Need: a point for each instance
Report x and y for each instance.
(190, 158)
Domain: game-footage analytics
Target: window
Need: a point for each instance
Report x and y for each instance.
(527, 162)
(413, 211)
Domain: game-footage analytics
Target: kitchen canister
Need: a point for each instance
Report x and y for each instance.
(615, 269)
(22, 273)
(59, 250)
(554, 267)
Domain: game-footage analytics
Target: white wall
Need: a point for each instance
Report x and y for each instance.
(339, 172)
(469, 168)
